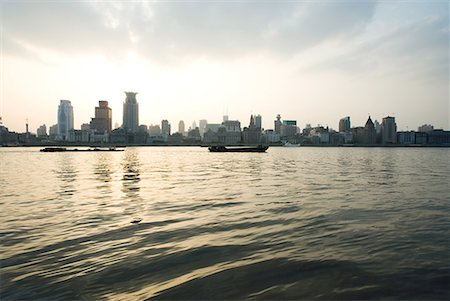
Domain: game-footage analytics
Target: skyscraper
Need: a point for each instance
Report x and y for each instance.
(202, 126)
(369, 132)
(181, 128)
(130, 112)
(277, 125)
(165, 127)
(258, 121)
(65, 119)
(388, 130)
(102, 122)
(344, 124)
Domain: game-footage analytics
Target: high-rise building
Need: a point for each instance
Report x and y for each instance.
(388, 130)
(202, 126)
(102, 122)
(370, 134)
(42, 131)
(165, 127)
(130, 112)
(277, 125)
(65, 119)
(258, 121)
(344, 124)
(225, 118)
(181, 128)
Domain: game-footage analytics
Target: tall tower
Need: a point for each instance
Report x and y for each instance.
(130, 112)
(65, 119)
(181, 127)
(258, 121)
(388, 130)
(277, 125)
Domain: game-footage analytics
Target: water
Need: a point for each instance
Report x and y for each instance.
(293, 223)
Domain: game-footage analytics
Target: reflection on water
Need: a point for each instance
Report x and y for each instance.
(293, 223)
(67, 174)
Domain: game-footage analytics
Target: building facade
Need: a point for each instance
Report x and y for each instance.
(130, 112)
(102, 122)
(65, 119)
(344, 124)
(181, 127)
(388, 130)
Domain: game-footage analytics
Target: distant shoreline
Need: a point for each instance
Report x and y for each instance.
(199, 145)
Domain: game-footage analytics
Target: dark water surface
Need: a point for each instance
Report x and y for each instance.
(293, 223)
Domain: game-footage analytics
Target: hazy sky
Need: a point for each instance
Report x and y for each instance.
(313, 61)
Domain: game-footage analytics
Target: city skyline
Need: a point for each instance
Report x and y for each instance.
(377, 58)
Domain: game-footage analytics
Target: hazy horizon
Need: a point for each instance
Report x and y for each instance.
(314, 62)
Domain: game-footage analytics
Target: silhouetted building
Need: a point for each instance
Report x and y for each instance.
(406, 137)
(42, 131)
(252, 134)
(425, 128)
(277, 125)
(154, 130)
(194, 135)
(65, 119)
(181, 128)
(102, 122)
(370, 133)
(289, 128)
(438, 137)
(258, 121)
(202, 126)
(344, 124)
(388, 130)
(130, 112)
(165, 129)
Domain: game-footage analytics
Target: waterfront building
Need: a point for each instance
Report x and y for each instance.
(258, 121)
(421, 138)
(438, 137)
(53, 132)
(319, 135)
(344, 124)
(130, 112)
(42, 131)
(65, 119)
(232, 126)
(370, 132)
(359, 134)
(165, 129)
(194, 135)
(270, 136)
(154, 130)
(102, 122)
(406, 137)
(202, 126)
(277, 125)
(230, 132)
(181, 128)
(214, 127)
(388, 130)
(252, 133)
(289, 128)
(425, 128)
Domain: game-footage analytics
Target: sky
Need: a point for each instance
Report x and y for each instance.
(311, 61)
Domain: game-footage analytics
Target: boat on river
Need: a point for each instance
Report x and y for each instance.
(95, 149)
(249, 149)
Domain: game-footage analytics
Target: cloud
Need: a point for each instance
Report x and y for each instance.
(182, 30)
(418, 49)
